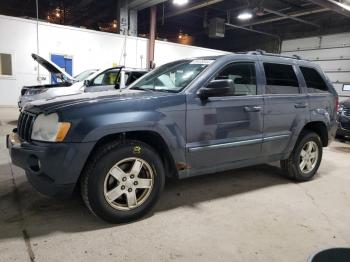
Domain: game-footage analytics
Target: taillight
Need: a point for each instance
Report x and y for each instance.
(336, 104)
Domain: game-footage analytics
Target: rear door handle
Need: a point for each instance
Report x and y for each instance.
(300, 105)
(252, 108)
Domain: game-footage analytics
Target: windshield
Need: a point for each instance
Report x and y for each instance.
(85, 74)
(172, 77)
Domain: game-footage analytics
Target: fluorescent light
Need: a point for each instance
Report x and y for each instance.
(180, 2)
(245, 15)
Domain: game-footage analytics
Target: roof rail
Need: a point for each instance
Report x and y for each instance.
(262, 52)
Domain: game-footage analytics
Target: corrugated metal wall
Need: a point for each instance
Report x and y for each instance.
(331, 52)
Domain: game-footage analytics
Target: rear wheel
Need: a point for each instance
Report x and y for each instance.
(123, 181)
(305, 159)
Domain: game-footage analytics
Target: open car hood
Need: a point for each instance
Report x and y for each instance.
(53, 69)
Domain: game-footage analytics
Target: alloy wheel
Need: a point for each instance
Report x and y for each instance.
(128, 184)
(308, 157)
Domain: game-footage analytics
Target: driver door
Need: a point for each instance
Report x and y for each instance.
(222, 131)
(107, 80)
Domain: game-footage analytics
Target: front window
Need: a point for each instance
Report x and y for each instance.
(243, 76)
(172, 77)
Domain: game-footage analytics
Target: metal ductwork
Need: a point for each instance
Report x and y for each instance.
(216, 27)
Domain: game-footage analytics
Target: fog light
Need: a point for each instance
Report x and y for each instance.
(34, 163)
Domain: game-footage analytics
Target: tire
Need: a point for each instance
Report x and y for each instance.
(102, 180)
(292, 167)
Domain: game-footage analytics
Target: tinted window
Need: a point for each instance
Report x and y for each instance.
(133, 76)
(5, 64)
(243, 76)
(280, 79)
(313, 80)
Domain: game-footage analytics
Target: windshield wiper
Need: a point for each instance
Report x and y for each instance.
(140, 88)
(165, 90)
(153, 89)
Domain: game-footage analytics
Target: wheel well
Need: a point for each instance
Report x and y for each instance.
(320, 129)
(151, 138)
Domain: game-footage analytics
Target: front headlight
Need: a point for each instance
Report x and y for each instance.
(33, 92)
(340, 109)
(47, 128)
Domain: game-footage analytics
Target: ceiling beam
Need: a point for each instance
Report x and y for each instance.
(291, 17)
(294, 14)
(333, 5)
(193, 7)
(251, 30)
(143, 4)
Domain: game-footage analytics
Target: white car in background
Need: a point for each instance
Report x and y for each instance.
(92, 80)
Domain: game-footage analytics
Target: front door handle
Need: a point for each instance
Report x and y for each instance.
(252, 108)
(300, 105)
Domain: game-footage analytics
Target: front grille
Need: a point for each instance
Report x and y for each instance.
(25, 125)
(345, 125)
(346, 111)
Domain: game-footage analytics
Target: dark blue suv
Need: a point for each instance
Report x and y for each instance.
(186, 118)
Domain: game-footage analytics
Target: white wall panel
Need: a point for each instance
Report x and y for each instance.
(88, 48)
(166, 51)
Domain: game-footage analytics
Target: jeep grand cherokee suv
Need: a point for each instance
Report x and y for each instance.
(186, 118)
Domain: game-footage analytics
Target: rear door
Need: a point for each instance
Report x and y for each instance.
(285, 106)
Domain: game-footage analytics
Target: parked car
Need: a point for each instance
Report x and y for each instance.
(92, 80)
(186, 118)
(344, 119)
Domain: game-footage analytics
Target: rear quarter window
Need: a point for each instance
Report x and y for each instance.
(313, 80)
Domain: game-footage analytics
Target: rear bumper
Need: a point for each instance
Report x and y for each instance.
(51, 168)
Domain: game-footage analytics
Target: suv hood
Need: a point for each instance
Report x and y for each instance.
(52, 104)
(53, 69)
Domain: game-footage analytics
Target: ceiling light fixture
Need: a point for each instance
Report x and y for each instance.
(180, 2)
(245, 15)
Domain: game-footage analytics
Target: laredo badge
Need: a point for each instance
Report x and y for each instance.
(136, 150)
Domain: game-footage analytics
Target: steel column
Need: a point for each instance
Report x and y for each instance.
(152, 37)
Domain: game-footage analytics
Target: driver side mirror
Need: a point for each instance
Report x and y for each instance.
(216, 88)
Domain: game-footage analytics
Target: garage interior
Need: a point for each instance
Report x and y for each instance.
(247, 214)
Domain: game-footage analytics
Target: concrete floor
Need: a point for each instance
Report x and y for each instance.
(251, 214)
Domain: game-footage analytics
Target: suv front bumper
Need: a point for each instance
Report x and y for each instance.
(51, 168)
(343, 126)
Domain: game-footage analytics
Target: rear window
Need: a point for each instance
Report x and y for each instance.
(280, 79)
(313, 80)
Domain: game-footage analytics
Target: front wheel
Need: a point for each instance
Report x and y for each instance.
(305, 159)
(123, 181)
